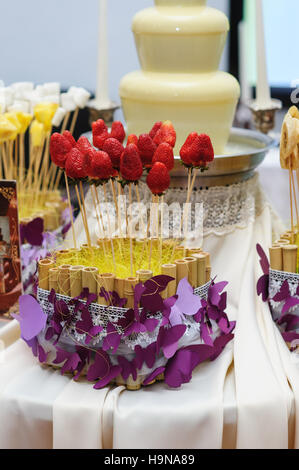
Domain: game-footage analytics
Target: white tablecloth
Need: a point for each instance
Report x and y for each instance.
(275, 183)
(247, 398)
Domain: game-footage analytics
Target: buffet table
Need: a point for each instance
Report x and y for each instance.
(247, 398)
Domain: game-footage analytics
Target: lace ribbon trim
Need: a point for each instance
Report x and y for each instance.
(225, 208)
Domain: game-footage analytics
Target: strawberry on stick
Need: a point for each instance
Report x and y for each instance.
(76, 167)
(196, 153)
(130, 171)
(101, 170)
(158, 181)
(59, 148)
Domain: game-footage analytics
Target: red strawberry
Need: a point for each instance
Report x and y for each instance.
(114, 149)
(115, 173)
(158, 179)
(75, 166)
(99, 133)
(99, 127)
(130, 164)
(100, 166)
(147, 149)
(166, 133)
(206, 151)
(164, 154)
(155, 129)
(87, 150)
(190, 149)
(118, 132)
(59, 149)
(132, 139)
(83, 145)
(70, 138)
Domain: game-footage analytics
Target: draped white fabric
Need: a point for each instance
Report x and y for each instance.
(247, 398)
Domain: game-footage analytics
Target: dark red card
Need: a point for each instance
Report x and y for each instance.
(10, 264)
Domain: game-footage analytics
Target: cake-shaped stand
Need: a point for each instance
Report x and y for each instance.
(279, 284)
(180, 44)
(130, 331)
(134, 309)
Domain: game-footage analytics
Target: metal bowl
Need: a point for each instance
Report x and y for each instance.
(245, 151)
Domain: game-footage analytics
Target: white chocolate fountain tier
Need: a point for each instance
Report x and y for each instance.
(204, 103)
(179, 43)
(180, 37)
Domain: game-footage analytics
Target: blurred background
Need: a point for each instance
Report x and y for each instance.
(57, 40)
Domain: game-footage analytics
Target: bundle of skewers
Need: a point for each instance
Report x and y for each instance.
(119, 168)
(279, 285)
(284, 252)
(28, 116)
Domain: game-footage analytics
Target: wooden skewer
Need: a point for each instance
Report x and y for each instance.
(109, 229)
(5, 162)
(1, 171)
(120, 193)
(151, 235)
(71, 210)
(52, 175)
(100, 211)
(22, 159)
(85, 213)
(82, 212)
(37, 161)
(65, 121)
(189, 193)
(161, 228)
(74, 120)
(101, 228)
(291, 201)
(130, 227)
(58, 178)
(46, 163)
(11, 159)
(139, 202)
(295, 199)
(115, 202)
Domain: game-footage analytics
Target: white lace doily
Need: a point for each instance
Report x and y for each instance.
(225, 208)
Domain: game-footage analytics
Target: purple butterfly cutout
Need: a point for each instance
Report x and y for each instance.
(150, 298)
(37, 350)
(263, 282)
(263, 287)
(168, 339)
(153, 375)
(290, 320)
(85, 325)
(32, 318)
(32, 232)
(284, 295)
(101, 370)
(112, 340)
(264, 262)
(179, 369)
(145, 355)
(70, 360)
(215, 291)
(187, 303)
(127, 368)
